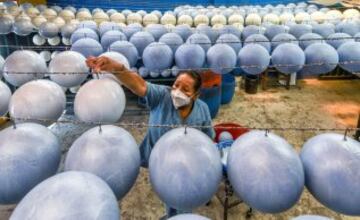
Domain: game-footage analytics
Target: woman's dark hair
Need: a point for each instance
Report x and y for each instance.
(195, 76)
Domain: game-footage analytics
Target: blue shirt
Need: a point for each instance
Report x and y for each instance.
(163, 112)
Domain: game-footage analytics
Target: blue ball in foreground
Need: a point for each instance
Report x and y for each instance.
(349, 56)
(189, 56)
(185, 168)
(332, 173)
(288, 58)
(29, 154)
(254, 59)
(157, 56)
(70, 195)
(111, 154)
(221, 58)
(265, 171)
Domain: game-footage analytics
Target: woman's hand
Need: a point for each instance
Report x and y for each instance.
(104, 63)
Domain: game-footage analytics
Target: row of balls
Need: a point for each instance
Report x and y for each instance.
(185, 170)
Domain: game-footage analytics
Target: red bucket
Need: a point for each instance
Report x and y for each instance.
(234, 129)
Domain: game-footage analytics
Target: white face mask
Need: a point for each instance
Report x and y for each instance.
(179, 98)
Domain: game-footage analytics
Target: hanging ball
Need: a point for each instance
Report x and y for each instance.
(259, 39)
(211, 33)
(331, 163)
(156, 30)
(201, 19)
(337, 39)
(108, 26)
(6, 24)
(46, 102)
(168, 19)
(231, 40)
(74, 67)
(94, 95)
(221, 58)
(21, 62)
(127, 49)
(134, 18)
(349, 27)
(110, 37)
(29, 154)
(150, 19)
(88, 24)
(48, 30)
(23, 27)
(67, 30)
(253, 19)
(324, 29)
(5, 95)
(141, 40)
(283, 38)
(118, 18)
(117, 57)
(288, 58)
(183, 30)
(250, 30)
(225, 136)
(173, 40)
(230, 29)
(349, 56)
(274, 30)
(320, 58)
(200, 39)
(81, 195)
(185, 168)
(157, 56)
(254, 59)
(189, 56)
(81, 33)
(279, 176)
(131, 29)
(188, 217)
(93, 150)
(87, 47)
(297, 30)
(308, 39)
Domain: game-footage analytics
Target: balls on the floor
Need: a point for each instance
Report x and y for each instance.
(185, 168)
(157, 56)
(5, 95)
(320, 58)
(95, 148)
(188, 217)
(141, 40)
(288, 58)
(189, 56)
(93, 96)
(70, 195)
(231, 40)
(254, 59)
(337, 39)
(46, 102)
(29, 154)
(74, 67)
(173, 40)
(265, 171)
(110, 37)
(221, 58)
(349, 56)
(332, 174)
(21, 62)
(127, 49)
(200, 39)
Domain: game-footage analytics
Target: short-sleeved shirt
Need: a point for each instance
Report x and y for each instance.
(162, 112)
